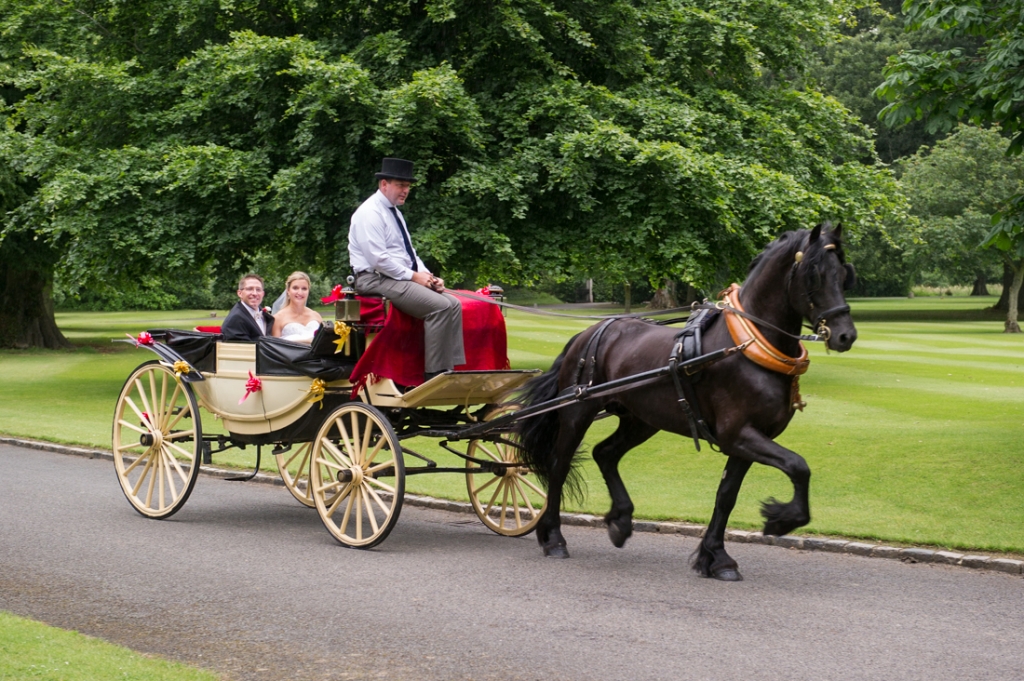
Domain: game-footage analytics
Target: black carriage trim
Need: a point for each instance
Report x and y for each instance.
(188, 353)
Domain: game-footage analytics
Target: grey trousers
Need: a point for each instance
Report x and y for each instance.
(441, 314)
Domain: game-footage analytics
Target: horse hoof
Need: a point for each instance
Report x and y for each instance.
(727, 575)
(556, 551)
(619, 533)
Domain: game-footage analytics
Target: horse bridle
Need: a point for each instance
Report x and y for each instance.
(820, 325)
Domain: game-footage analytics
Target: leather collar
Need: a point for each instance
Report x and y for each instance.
(760, 351)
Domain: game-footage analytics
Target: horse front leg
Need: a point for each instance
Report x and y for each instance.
(780, 517)
(710, 559)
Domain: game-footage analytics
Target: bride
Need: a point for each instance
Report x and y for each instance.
(296, 322)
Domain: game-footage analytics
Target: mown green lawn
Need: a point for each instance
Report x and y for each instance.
(913, 436)
(30, 650)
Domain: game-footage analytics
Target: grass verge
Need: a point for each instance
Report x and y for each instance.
(30, 650)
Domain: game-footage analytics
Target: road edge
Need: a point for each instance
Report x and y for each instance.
(797, 542)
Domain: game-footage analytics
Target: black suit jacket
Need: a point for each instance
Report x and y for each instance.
(240, 326)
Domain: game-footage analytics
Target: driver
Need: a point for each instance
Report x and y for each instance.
(385, 264)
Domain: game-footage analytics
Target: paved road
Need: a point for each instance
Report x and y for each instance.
(246, 582)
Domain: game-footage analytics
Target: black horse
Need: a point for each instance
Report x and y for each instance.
(745, 406)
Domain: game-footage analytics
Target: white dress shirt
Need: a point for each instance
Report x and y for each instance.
(375, 240)
(257, 317)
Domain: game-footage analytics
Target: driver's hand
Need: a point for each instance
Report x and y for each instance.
(423, 279)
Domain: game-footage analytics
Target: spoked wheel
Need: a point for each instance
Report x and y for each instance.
(357, 475)
(508, 501)
(294, 469)
(158, 440)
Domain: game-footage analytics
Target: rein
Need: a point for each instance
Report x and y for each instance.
(533, 310)
(820, 327)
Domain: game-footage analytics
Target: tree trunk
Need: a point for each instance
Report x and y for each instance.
(1003, 305)
(980, 286)
(1013, 302)
(26, 295)
(628, 294)
(665, 297)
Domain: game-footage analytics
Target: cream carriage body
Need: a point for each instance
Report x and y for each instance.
(338, 449)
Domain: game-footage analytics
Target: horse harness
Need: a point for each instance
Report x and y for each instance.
(688, 345)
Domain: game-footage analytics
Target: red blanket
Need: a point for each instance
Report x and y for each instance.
(397, 351)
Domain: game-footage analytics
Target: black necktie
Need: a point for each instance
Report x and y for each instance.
(405, 239)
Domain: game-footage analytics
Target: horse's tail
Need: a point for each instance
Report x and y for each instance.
(537, 434)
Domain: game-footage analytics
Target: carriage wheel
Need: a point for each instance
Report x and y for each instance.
(296, 477)
(158, 440)
(294, 469)
(510, 502)
(357, 475)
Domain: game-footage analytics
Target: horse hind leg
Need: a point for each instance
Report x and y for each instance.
(573, 424)
(607, 454)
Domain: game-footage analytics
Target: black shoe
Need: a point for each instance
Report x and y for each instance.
(431, 374)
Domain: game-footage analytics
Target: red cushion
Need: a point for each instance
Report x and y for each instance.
(397, 351)
(208, 329)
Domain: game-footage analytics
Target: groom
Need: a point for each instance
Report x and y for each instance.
(246, 321)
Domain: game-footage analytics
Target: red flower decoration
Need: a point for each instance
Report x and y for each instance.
(251, 386)
(334, 296)
(144, 338)
(483, 292)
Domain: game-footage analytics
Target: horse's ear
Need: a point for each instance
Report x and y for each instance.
(837, 233)
(815, 233)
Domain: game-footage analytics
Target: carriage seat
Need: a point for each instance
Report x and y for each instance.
(279, 357)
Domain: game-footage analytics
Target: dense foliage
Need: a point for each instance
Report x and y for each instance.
(944, 86)
(649, 138)
(955, 189)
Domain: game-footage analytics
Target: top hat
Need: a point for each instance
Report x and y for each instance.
(395, 169)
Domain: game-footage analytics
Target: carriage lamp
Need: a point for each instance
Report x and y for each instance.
(498, 293)
(346, 308)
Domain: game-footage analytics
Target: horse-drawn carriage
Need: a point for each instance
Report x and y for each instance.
(338, 428)
(337, 439)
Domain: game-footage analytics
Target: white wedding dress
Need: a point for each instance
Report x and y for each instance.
(302, 333)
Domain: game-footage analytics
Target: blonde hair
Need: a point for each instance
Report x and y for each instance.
(293, 277)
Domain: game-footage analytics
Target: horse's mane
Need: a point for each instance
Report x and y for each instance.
(790, 242)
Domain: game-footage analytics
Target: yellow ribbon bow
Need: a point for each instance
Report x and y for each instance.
(181, 367)
(316, 392)
(342, 330)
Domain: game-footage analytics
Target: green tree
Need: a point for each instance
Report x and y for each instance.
(945, 86)
(552, 138)
(851, 67)
(954, 189)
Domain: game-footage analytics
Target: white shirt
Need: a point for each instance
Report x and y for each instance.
(257, 317)
(375, 240)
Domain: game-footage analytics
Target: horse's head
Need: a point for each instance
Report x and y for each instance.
(818, 279)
